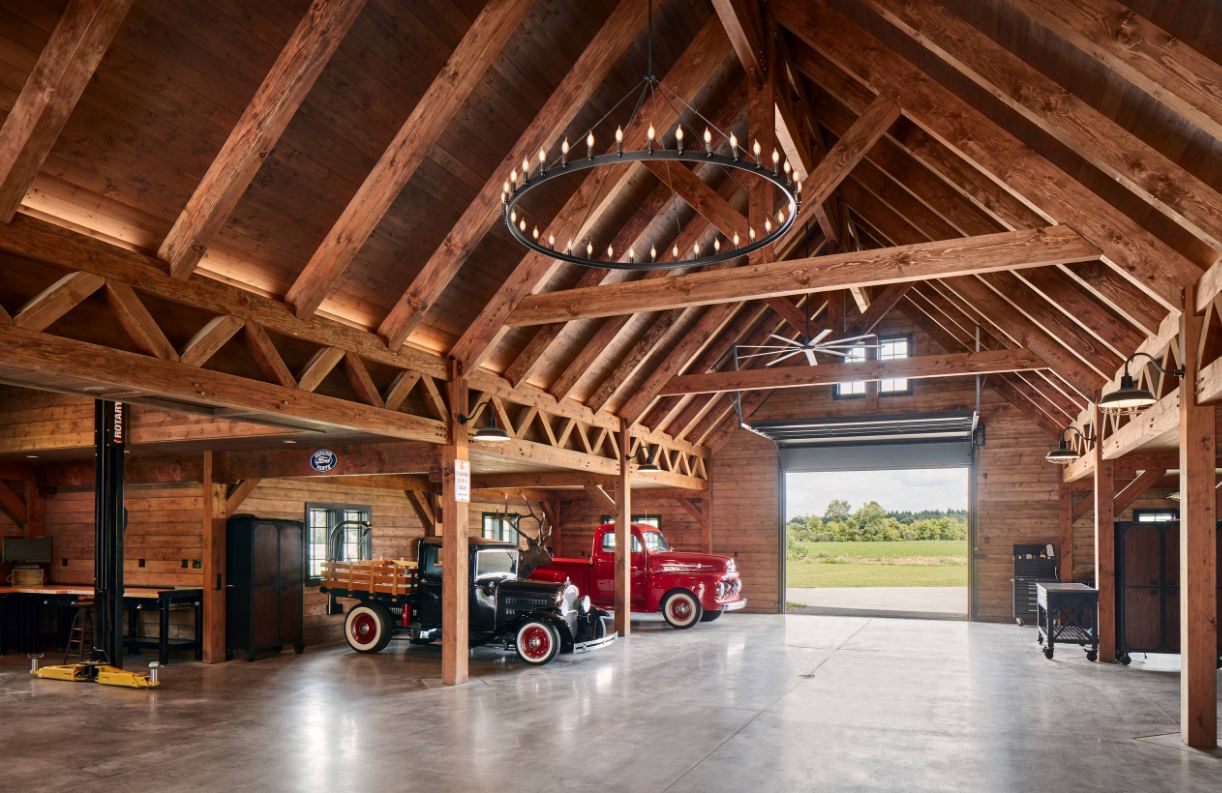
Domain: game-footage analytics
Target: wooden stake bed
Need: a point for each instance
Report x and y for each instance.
(395, 577)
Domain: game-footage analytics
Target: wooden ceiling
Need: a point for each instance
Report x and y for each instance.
(346, 157)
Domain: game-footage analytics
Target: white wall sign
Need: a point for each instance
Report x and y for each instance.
(462, 481)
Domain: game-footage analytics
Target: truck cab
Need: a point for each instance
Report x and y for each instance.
(685, 587)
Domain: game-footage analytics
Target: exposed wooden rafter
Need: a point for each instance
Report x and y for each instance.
(255, 135)
(424, 125)
(51, 92)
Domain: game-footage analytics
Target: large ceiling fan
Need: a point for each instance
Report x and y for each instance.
(805, 345)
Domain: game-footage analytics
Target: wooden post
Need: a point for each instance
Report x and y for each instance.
(623, 538)
(216, 577)
(454, 589)
(1105, 547)
(1198, 547)
(1065, 530)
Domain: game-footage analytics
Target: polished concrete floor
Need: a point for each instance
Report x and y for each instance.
(749, 704)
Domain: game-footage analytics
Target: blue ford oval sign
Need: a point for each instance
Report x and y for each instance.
(323, 460)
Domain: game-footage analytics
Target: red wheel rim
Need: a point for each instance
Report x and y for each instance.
(363, 628)
(536, 642)
(680, 609)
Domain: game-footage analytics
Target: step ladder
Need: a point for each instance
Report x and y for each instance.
(80, 637)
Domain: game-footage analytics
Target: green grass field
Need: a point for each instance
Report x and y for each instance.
(880, 564)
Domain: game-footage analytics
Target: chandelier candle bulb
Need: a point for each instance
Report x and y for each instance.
(542, 161)
(564, 152)
(590, 146)
(525, 168)
(649, 135)
(522, 225)
(679, 138)
(619, 140)
(589, 249)
(674, 251)
(513, 215)
(631, 254)
(653, 253)
(776, 161)
(610, 252)
(751, 233)
(551, 241)
(755, 149)
(696, 249)
(536, 233)
(736, 239)
(716, 245)
(734, 147)
(708, 142)
(513, 177)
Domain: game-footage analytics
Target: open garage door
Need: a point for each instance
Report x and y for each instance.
(878, 513)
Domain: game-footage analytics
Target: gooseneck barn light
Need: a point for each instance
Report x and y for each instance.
(1128, 398)
(490, 432)
(719, 148)
(645, 462)
(1064, 454)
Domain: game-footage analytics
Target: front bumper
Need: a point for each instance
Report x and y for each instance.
(609, 635)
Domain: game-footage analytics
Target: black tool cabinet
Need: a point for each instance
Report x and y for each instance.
(1148, 591)
(1033, 564)
(266, 565)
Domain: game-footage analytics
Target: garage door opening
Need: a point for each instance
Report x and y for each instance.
(883, 542)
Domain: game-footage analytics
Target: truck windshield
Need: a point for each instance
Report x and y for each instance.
(654, 541)
(496, 563)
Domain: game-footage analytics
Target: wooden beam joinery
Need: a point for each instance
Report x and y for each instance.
(988, 253)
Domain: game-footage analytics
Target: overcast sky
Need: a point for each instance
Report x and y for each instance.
(942, 488)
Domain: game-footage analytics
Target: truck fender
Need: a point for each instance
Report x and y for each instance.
(542, 615)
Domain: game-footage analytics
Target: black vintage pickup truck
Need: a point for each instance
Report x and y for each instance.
(536, 619)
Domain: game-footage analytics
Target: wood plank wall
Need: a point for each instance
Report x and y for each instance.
(1017, 489)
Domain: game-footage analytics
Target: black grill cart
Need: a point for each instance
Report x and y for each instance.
(1033, 564)
(1068, 614)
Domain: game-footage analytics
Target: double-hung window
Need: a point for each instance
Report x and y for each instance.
(891, 349)
(352, 541)
(856, 388)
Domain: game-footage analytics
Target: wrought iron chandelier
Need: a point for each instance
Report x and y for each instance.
(719, 148)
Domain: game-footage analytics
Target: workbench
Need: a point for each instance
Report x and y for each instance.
(23, 605)
(1068, 614)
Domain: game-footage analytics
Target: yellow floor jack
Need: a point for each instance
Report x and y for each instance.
(94, 671)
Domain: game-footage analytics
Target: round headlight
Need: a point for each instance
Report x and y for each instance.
(584, 604)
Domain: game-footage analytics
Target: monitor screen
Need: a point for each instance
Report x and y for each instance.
(27, 549)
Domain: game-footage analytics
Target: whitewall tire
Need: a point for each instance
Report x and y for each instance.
(367, 628)
(537, 643)
(681, 609)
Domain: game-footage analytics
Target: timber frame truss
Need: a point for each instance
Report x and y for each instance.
(234, 363)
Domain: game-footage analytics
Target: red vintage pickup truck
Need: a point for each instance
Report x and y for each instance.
(686, 587)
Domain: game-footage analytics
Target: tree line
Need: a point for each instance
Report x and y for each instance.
(872, 523)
